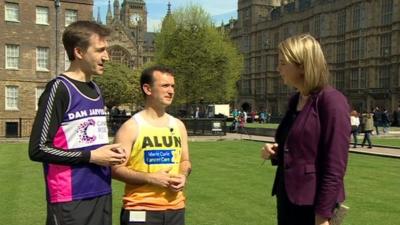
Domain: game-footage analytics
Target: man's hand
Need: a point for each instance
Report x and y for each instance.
(161, 178)
(178, 182)
(268, 151)
(108, 155)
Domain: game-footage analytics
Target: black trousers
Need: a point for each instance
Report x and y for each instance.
(289, 213)
(167, 217)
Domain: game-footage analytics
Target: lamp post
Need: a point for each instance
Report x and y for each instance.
(57, 7)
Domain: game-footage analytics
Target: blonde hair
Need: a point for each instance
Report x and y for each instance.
(304, 50)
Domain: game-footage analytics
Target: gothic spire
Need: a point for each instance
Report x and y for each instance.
(109, 14)
(116, 10)
(169, 8)
(98, 15)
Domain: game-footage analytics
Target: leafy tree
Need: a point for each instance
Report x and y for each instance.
(206, 63)
(119, 85)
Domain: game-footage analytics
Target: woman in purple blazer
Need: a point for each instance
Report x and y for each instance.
(312, 140)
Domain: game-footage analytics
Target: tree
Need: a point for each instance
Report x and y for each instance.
(206, 63)
(119, 85)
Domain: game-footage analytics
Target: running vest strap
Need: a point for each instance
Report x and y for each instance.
(155, 148)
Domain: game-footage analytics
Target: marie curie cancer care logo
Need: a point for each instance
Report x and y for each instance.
(86, 131)
(159, 156)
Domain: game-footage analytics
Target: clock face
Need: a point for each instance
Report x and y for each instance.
(135, 18)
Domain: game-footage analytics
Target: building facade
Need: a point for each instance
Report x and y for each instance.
(360, 39)
(130, 43)
(29, 53)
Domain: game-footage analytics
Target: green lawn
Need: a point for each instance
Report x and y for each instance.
(228, 186)
(392, 141)
(386, 140)
(257, 125)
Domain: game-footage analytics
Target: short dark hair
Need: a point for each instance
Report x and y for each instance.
(78, 34)
(147, 76)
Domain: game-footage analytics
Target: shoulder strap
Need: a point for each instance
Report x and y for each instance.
(171, 121)
(139, 119)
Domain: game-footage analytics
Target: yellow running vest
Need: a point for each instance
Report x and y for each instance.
(155, 148)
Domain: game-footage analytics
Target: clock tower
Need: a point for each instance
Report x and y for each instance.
(134, 16)
(130, 43)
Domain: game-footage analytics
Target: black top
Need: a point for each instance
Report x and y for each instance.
(280, 138)
(53, 103)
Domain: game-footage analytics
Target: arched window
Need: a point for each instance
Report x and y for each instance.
(120, 55)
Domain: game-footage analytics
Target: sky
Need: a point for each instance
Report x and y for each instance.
(220, 10)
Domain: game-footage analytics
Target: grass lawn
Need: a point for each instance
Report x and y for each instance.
(392, 141)
(228, 186)
(257, 125)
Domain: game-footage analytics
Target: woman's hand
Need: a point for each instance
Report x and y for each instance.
(319, 220)
(269, 150)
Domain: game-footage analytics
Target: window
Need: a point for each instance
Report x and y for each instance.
(246, 87)
(42, 59)
(12, 57)
(258, 64)
(339, 80)
(386, 43)
(264, 63)
(363, 16)
(260, 87)
(341, 51)
(270, 63)
(276, 85)
(341, 26)
(247, 65)
(259, 40)
(286, 32)
(384, 77)
(11, 12)
(317, 25)
(276, 39)
(42, 15)
(247, 13)
(304, 4)
(70, 16)
(306, 27)
(11, 98)
(354, 79)
(246, 46)
(355, 48)
(363, 78)
(356, 16)
(363, 47)
(290, 7)
(39, 92)
(121, 55)
(275, 63)
(387, 11)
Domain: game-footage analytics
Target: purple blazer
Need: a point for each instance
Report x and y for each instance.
(316, 151)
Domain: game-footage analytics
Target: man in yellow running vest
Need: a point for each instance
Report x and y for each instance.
(158, 157)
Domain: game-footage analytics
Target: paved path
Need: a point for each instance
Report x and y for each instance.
(376, 150)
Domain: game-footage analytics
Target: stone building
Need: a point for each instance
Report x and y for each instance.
(130, 43)
(29, 54)
(360, 39)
